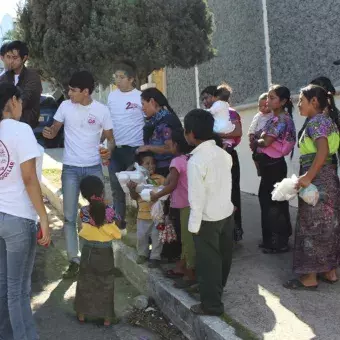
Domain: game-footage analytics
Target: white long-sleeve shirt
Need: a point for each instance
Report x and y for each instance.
(209, 185)
(220, 111)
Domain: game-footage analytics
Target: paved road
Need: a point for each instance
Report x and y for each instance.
(53, 298)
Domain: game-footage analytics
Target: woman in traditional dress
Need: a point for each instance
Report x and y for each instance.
(317, 235)
(272, 144)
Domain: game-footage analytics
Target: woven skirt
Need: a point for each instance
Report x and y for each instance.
(95, 285)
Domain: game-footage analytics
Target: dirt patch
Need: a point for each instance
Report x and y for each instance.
(155, 321)
(54, 176)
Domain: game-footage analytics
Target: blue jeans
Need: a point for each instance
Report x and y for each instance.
(121, 159)
(70, 181)
(17, 253)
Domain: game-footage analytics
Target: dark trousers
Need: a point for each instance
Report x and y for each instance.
(214, 245)
(236, 194)
(121, 159)
(275, 217)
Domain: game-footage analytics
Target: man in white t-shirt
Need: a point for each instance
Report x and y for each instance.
(84, 120)
(128, 122)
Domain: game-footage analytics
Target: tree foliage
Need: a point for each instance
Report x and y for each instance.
(65, 36)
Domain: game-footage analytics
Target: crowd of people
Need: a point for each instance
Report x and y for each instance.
(196, 164)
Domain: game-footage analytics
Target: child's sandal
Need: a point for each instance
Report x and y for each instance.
(107, 322)
(81, 318)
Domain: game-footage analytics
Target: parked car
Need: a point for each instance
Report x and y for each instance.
(48, 108)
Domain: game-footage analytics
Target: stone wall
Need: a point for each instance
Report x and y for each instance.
(303, 39)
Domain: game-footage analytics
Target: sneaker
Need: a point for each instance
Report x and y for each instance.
(154, 264)
(72, 271)
(141, 259)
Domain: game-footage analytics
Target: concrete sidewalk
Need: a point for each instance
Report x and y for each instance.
(254, 296)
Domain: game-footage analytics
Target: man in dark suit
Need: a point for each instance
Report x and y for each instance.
(27, 79)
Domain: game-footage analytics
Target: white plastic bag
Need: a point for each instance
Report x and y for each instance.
(138, 176)
(310, 194)
(285, 190)
(157, 212)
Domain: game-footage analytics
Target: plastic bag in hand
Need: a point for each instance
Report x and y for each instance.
(310, 194)
(157, 212)
(285, 190)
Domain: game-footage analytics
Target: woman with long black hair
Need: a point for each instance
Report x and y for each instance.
(272, 144)
(161, 120)
(21, 201)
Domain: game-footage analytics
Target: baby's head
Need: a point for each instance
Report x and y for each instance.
(223, 92)
(263, 105)
(147, 160)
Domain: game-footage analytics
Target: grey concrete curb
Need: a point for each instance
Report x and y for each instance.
(174, 303)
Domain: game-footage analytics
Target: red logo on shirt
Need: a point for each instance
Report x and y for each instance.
(91, 120)
(130, 106)
(6, 165)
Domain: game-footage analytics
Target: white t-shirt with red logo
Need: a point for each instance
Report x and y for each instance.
(127, 117)
(17, 145)
(83, 127)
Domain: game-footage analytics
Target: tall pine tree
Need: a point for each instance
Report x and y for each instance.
(65, 36)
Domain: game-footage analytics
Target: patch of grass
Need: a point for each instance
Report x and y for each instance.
(240, 331)
(54, 176)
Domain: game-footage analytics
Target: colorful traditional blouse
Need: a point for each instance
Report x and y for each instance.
(161, 125)
(320, 125)
(106, 233)
(282, 128)
(235, 118)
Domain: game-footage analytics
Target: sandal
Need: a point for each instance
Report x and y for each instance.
(323, 278)
(296, 284)
(171, 274)
(275, 251)
(183, 284)
(198, 309)
(81, 318)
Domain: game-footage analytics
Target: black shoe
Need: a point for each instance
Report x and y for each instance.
(72, 271)
(154, 264)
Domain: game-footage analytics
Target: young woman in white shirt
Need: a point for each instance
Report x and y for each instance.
(21, 200)
(128, 121)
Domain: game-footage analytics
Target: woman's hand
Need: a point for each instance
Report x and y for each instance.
(45, 228)
(105, 154)
(143, 148)
(304, 181)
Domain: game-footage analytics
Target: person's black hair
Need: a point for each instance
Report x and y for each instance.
(325, 83)
(284, 94)
(223, 92)
(177, 136)
(201, 123)
(92, 189)
(158, 97)
(3, 49)
(209, 90)
(128, 67)
(20, 46)
(140, 156)
(325, 99)
(7, 91)
(82, 80)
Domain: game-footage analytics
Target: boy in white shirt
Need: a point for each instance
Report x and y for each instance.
(211, 220)
(85, 121)
(220, 112)
(258, 123)
(127, 117)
